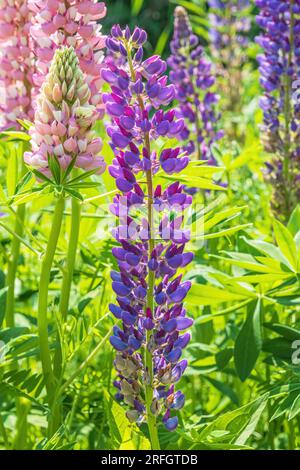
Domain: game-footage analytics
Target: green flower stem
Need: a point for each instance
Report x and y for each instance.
(72, 249)
(67, 279)
(13, 266)
(23, 407)
(15, 253)
(287, 119)
(151, 418)
(49, 378)
(4, 433)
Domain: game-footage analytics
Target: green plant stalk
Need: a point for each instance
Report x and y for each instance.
(23, 407)
(151, 418)
(13, 266)
(287, 119)
(72, 249)
(14, 258)
(47, 262)
(4, 434)
(67, 279)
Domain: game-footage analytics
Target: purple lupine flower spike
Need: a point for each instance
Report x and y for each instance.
(191, 73)
(279, 67)
(229, 27)
(150, 293)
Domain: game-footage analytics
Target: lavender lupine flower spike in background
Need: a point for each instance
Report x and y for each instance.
(149, 292)
(191, 73)
(16, 62)
(279, 67)
(70, 23)
(229, 25)
(63, 120)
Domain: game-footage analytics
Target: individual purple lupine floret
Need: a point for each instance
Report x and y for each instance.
(279, 67)
(149, 292)
(191, 73)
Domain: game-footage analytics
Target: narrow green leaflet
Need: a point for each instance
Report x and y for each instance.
(286, 244)
(248, 344)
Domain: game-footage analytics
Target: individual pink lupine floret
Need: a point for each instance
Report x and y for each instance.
(71, 23)
(16, 62)
(64, 118)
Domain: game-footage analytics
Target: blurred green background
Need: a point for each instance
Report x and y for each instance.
(153, 15)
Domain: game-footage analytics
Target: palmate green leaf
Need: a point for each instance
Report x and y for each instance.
(295, 408)
(21, 344)
(263, 278)
(190, 6)
(286, 244)
(268, 249)
(248, 344)
(251, 263)
(6, 334)
(201, 20)
(294, 221)
(224, 389)
(239, 424)
(29, 196)
(193, 181)
(25, 123)
(84, 185)
(12, 391)
(285, 405)
(279, 347)
(223, 357)
(41, 176)
(286, 331)
(287, 300)
(74, 193)
(213, 214)
(57, 441)
(125, 435)
(212, 221)
(82, 176)
(203, 294)
(230, 284)
(281, 390)
(198, 169)
(23, 182)
(226, 232)
(200, 31)
(16, 136)
(255, 416)
(55, 168)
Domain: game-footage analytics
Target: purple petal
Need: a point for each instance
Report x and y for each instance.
(171, 423)
(184, 322)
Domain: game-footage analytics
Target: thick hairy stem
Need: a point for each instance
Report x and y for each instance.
(43, 300)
